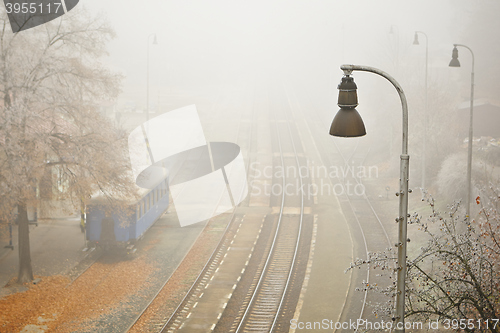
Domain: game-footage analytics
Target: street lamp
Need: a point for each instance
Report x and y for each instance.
(348, 123)
(424, 148)
(155, 42)
(455, 63)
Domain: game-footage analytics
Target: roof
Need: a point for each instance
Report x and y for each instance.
(477, 102)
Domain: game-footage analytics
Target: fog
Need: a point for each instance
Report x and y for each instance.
(223, 122)
(221, 42)
(212, 47)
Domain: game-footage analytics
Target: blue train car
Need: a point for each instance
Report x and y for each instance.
(109, 228)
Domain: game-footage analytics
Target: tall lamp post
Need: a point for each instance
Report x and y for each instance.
(155, 42)
(348, 123)
(455, 63)
(394, 31)
(426, 111)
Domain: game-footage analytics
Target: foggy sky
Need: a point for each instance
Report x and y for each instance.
(224, 42)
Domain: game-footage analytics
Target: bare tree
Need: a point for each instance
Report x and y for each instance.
(52, 83)
(456, 274)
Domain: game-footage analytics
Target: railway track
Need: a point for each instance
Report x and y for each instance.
(369, 231)
(168, 323)
(266, 301)
(262, 306)
(90, 259)
(258, 296)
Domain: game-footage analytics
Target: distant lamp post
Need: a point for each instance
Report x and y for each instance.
(455, 63)
(415, 40)
(454, 57)
(391, 29)
(155, 42)
(10, 246)
(348, 123)
(394, 31)
(424, 147)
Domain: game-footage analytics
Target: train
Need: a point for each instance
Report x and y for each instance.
(110, 228)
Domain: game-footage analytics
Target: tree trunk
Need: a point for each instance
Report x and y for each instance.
(25, 270)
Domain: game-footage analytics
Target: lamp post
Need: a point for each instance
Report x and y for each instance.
(10, 246)
(155, 42)
(348, 123)
(455, 63)
(394, 31)
(424, 148)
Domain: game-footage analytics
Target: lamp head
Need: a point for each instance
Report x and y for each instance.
(155, 41)
(347, 121)
(415, 41)
(454, 58)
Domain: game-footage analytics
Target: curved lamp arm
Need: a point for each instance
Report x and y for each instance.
(348, 69)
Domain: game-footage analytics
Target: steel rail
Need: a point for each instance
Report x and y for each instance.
(244, 321)
(209, 262)
(195, 283)
(346, 162)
